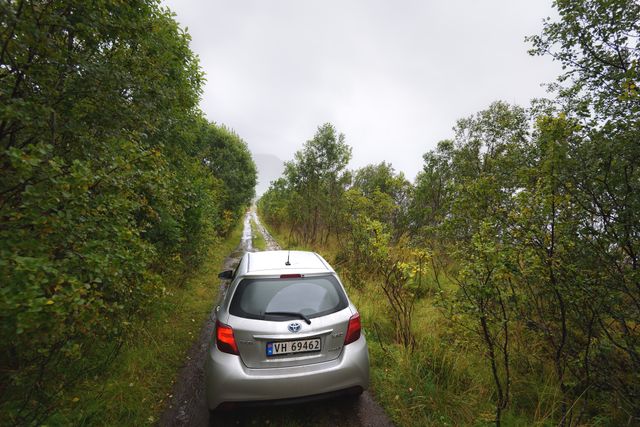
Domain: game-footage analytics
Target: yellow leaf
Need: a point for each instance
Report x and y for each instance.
(50, 302)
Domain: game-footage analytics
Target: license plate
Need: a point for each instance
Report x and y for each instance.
(289, 347)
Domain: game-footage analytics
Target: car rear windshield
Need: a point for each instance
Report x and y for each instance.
(311, 296)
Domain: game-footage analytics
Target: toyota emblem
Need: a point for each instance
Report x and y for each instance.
(294, 327)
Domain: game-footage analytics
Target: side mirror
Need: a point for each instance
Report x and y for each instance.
(226, 275)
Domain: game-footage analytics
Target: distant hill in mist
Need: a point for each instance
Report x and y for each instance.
(270, 168)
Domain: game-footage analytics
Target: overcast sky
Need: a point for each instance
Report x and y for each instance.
(393, 76)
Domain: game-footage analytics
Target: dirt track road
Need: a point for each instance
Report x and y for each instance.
(187, 406)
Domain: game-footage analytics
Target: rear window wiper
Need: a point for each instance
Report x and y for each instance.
(288, 313)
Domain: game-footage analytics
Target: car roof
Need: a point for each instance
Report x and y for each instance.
(275, 262)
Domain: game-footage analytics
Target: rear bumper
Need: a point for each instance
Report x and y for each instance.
(229, 382)
(353, 391)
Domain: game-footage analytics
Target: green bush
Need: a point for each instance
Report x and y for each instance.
(112, 187)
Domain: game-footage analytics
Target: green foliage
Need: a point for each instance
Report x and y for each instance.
(597, 168)
(228, 158)
(517, 237)
(135, 388)
(274, 205)
(110, 187)
(364, 237)
(388, 192)
(477, 175)
(597, 42)
(316, 179)
(530, 220)
(433, 192)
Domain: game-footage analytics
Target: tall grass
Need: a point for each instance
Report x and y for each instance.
(445, 380)
(256, 236)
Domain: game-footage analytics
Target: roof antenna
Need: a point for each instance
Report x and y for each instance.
(288, 253)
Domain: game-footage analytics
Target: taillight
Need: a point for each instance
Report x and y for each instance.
(353, 331)
(225, 340)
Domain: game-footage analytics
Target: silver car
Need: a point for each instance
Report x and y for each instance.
(285, 332)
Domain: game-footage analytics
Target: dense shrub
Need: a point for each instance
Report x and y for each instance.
(110, 178)
(530, 222)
